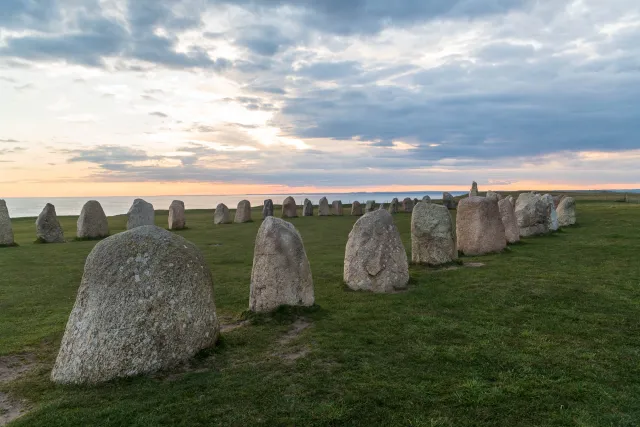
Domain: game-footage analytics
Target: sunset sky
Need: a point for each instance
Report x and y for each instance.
(151, 97)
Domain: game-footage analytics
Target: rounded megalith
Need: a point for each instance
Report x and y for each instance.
(243, 212)
(508, 216)
(267, 208)
(323, 207)
(375, 259)
(336, 208)
(281, 273)
(145, 304)
(479, 228)
(356, 208)
(307, 208)
(493, 195)
(407, 205)
(393, 206)
(140, 213)
(221, 215)
(552, 217)
(426, 199)
(567, 212)
(6, 229)
(177, 219)
(92, 222)
(289, 208)
(433, 241)
(370, 206)
(48, 229)
(448, 200)
(532, 214)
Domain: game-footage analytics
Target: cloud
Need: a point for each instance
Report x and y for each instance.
(158, 114)
(107, 155)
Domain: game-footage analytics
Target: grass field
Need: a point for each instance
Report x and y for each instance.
(546, 333)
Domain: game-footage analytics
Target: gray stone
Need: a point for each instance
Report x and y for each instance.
(92, 222)
(433, 241)
(48, 229)
(448, 200)
(532, 214)
(557, 200)
(479, 227)
(393, 206)
(281, 274)
(493, 195)
(508, 216)
(370, 206)
(381, 206)
(356, 208)
(140, 213)
(177, 220)
(221, 214)
(145, 304)
(407, 205)
(323, 207)
(6, 229)
(307, 209)
(552, 219)
(567, 212)
(336, 208)
(243, 212)
(474, 189)
(289, 208)
(267, 208)
(511, 200)
(426, 199)
(375, 259)
(415, 201)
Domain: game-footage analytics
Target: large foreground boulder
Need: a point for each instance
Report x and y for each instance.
(567, 212)
(289, 208)
(433, 241)
(267, 208)
(356, 208)
(448, 200)
(307, 208)
(243, 212)
(479, 226)
(552, 218)
(474, 189)
(336, 208)
(145, 303)
(393, 206)
(281, 273)
(177, 218)
(140, 213)
(508, 216)
(407, 205)
(375, 259)
(323, 207)
(222, 214)
(92, 222)
(370, 206)
(532, 214)
(48, 229)
(6, 230)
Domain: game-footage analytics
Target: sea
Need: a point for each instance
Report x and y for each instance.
(116, 205)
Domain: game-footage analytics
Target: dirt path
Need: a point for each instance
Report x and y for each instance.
(11, 368)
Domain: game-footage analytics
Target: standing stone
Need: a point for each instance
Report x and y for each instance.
(92, 222)
(6, 229)
(433, 241)
(393, 206)
(511, 200)
(448, 200)
(552, 219)
(532, 214)
(381, 206)
(221, 214)
(177, 220)
(375, 259)
(474, 189)
(407, 205)
(415, 201)
(567, 212)
(140, 213)
(557, 200)
(370, 206)
(493, 195)
(508, 215)
(289, 208)
(307, 209)
(281, 273)
(356, 208)
(426, 199)
(145, 304)
(323, 207)
(243, 212)
(479, 226)
(336, 207)
(267, 208)
(48, 229)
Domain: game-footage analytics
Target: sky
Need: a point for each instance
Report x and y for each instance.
(153, 97)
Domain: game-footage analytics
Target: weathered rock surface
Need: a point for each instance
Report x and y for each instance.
(552, 218)
(415, 201)
(323, 207)
(307, 209)
(393, 206)
(267, 208)
(221, 214)
(567, 212)
(493, 195)
(6, 229)
(381, 206)
(140, 213)
(177, 218)
(281, 272)
(145, 303)
(375, 259)
(448, 200)
(336, 208)
(557, 200)
(474, 189)
(532, 214)
(356, 208)
(92, 222)
(289, 208)
(426, 199)
(433, 240)
(511, 200)
(243, 212)
(370, 206)
(407, 205)
(479, 226)
(508, 215)
(48, 229)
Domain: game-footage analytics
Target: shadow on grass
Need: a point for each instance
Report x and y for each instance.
(285, 314)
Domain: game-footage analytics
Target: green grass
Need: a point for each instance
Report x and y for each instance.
(546, 333)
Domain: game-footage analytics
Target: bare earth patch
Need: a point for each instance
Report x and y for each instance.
(231, 326)
(465, 265)
(298, 326)
(11, 368)
(291, 355)
(9, 409)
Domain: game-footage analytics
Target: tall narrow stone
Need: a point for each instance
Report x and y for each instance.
(92, 222)
(567, 212)
(48, 229)
(508, 216)
(479, 228)
(407, 205)
(448, 200)
(433, 241)
(323, 207)
(336, 208)
(356, 208)
(6, 229)
(474, 189)
(177, 218)
(222, 214)
(552, 218)
(289, 208)
(307, 208)
(267, 208)
(140, 213)
(393, 206)
(370, 206)
(243, 212)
